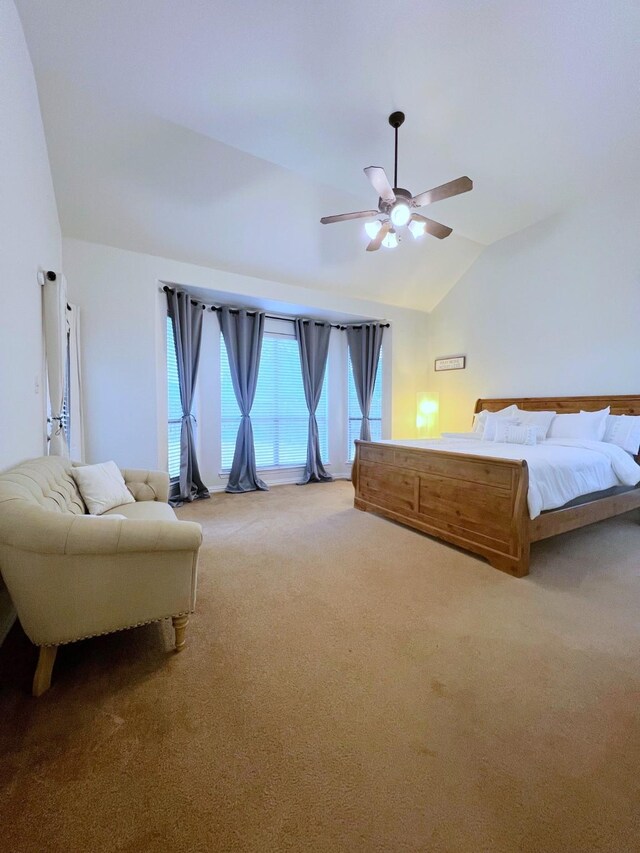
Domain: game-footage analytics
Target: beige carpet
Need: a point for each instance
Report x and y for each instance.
(348, 685)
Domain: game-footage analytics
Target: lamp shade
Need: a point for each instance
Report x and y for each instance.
(391, 240)
(372, 228)
(427, 413)
(417, 228)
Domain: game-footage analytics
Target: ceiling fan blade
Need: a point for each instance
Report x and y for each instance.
(380, 183)
(375, 244)
(460, 185)
(342, 217)
(432, 227)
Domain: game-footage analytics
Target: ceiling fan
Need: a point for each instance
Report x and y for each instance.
(397, 205)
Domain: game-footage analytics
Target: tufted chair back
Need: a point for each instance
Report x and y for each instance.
(44, 482)
(71, 575)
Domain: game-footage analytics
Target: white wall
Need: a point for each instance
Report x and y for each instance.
(123, 357)
(29, 240)
(554, 309)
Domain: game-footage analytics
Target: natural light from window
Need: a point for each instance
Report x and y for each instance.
(279, 414)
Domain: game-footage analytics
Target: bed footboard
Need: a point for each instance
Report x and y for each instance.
(475, 502)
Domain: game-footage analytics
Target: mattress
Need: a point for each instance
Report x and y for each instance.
(560, 469)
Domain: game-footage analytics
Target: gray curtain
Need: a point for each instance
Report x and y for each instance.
(243, 333)
(186, 317)
(364, 348)
(313, 343)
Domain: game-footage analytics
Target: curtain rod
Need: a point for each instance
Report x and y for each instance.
(205, 305)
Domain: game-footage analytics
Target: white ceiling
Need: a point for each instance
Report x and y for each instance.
(220, 133)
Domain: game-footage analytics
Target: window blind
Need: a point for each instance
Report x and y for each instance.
(354, 414)
(174, 406)
(279, 415)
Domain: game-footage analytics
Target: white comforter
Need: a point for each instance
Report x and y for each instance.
(560, 469)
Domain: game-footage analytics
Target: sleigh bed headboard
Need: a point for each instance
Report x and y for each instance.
(621, 404)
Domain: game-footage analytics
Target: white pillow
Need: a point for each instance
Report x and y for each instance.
(540, 420)
(611, 427)
(623, 430)
(479, 420)
(491, 422)
(516, 433)
(102, 487)
(585, 425)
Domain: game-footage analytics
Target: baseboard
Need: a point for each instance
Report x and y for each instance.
(274, 484)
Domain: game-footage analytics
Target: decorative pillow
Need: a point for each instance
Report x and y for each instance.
(516, 433)
(102, 486)
(480, 419)
(585, 425)
(611, 427)
(491, 422)
(540, 420)
(623, 430)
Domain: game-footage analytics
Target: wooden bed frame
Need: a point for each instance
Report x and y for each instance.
(477, 502)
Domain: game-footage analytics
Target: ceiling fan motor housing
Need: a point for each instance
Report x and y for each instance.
(399, 211)
(401, 195)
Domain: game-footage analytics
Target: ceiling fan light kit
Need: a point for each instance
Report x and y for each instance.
(372, 228)
(397, 204)
(417, 229)
(391, 240)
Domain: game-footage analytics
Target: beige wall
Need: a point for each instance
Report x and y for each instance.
(554, 309)
(123, 353)
(29, 240)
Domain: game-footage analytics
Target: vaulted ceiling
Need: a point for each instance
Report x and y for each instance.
(221, 133)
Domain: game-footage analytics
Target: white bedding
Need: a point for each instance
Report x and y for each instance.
(560, 469)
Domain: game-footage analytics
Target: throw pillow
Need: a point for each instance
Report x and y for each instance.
(623, 430)
(516, 433)
(102, 487)
(491, 422)
(541, 421)
(480, 419)
(589, 426)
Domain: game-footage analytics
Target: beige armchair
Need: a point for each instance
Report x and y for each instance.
(71, 576)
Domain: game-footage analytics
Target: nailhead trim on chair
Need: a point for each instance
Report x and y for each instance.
(115, 630)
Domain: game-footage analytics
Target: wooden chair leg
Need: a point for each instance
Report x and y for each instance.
(42, 677)
(180, 626)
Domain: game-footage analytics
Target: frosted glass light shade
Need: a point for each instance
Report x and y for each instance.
(417, 228)
(372, 228)
(400, 213)
(427, 413)
(391, 240)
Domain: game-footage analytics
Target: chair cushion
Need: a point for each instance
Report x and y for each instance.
(144, 510)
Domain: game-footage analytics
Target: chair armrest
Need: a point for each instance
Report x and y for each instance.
(147, 485)
(103, 536)
(43, 532)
